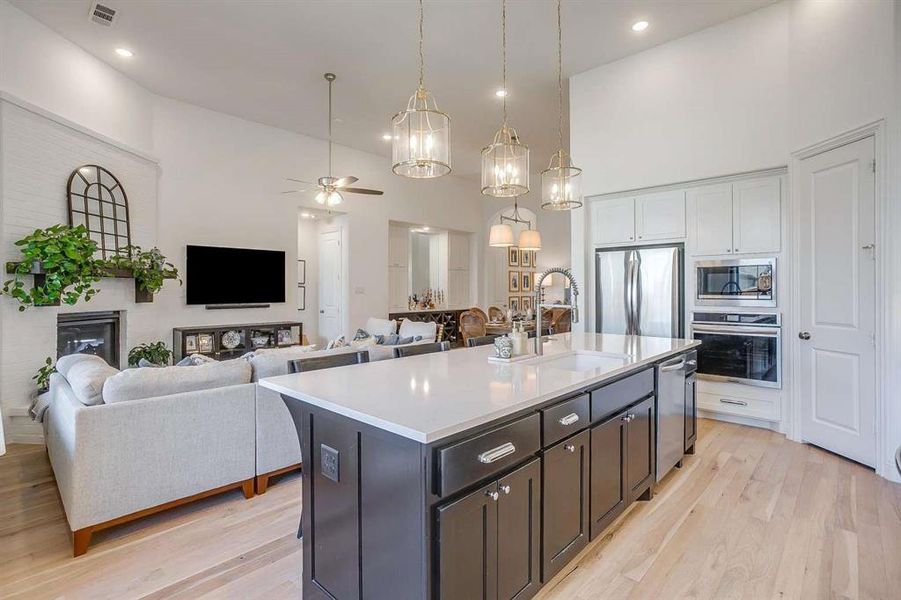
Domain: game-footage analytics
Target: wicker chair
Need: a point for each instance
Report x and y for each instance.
(496, 313)
(562, 322)
(472, 324)
(480, 312)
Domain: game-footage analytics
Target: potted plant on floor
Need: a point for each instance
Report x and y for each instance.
(155, 354)
(149, 268)
(61, 261)
(42, 377)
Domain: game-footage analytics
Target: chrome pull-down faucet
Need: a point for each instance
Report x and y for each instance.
(539, 301)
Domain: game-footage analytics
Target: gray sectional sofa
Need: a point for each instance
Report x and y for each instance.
(127, 444)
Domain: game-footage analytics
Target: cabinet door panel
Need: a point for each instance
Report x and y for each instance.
(398, 288)
(467, 547)
(613, 221)
(398, 246)
(565, 500)
(756, 215)
(519, 533)
(608, 477)
(458, 251)
(660, 216)
(691, 413)
(712, 215)
(640, 448)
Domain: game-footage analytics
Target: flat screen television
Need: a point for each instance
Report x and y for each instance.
(234, 275)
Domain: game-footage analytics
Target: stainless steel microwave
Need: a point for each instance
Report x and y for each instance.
(737, 282)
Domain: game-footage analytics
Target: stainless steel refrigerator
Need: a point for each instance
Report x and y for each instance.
(639, 291)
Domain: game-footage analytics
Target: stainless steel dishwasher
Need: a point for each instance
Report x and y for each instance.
(670, 413)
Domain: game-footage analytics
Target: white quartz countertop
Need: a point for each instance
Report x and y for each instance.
(432, 396)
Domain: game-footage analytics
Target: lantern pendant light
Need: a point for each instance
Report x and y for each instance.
(420, 145)
(505, 162)
(561, 182)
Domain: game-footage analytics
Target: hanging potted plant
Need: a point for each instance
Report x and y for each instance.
(61, 261)
(149, 268)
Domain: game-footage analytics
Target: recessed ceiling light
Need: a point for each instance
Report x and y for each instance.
(124, 52)
(640, 26)
(386, 137)
(500, 93)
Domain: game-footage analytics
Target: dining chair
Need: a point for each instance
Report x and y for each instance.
(416, 349)
(563, 322)
(480, 312)
(472, 325)
(482, 340)
(496, 313)
(316, 363)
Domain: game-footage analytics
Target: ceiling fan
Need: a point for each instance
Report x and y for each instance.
(329, 188)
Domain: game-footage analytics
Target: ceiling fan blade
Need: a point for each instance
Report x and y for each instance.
(345, 181)
(298, 180)
(362, 191)
(294, 191)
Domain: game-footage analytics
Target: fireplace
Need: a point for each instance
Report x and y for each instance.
(89, 333)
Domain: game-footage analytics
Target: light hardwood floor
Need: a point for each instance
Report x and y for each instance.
(750, 515)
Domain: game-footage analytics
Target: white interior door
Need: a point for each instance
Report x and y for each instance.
(330, 284)
(838, 300)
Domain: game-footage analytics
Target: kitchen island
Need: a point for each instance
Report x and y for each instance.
(448, 476)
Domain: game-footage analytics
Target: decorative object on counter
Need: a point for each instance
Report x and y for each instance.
(149, 268)
(561, 182)
(301, 297)
(505, 161)
(61, 260)
(154, 353)
(520, 339)
(205, 343)
(98, 202)
(420, 144)
(301, 271)
(42, 377)
(329, 188)
(503, 347)
(231, 339)
(261, 341)
(514, 280)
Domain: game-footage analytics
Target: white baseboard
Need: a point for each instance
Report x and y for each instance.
(737, 420)
(22, 430)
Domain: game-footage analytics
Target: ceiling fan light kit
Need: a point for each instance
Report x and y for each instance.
(420, 145)
(505, 162)
(561, 182)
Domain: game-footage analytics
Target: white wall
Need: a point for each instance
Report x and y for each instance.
(218, 181)
(741, 96)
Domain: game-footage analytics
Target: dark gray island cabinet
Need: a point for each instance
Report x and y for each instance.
(492, 511)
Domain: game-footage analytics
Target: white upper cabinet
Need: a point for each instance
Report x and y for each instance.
(660, 216)
(398, 246)
(613, 221)
(712, 209)
(738, 218)
(756, 210)
(458, 251)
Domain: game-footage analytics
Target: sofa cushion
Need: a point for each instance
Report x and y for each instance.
(86, 375)
(135, 384)
(274, 361)
(380, 326)
(428, 331)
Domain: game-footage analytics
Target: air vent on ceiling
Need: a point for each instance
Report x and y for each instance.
(102, 15)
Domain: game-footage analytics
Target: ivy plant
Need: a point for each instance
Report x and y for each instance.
(64, 258)
(156, 353)
(149, 267)
(42, 378)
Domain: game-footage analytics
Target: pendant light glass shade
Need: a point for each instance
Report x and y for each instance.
(529, 239)
(421, 139)
(505, 165)
(561, 184)
(500, 236)
(420, 135)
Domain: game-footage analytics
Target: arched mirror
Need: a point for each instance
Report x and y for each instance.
(97, 200)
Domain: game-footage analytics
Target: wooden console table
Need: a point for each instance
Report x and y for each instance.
(449, 317)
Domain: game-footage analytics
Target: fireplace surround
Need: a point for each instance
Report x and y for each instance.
(89, 333)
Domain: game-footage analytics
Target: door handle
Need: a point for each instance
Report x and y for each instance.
(804, 335)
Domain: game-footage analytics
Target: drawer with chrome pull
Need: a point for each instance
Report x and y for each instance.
(564, 419)
(474, 459)
(613, 397)
(759, 407)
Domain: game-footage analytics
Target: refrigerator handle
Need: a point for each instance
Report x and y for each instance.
(677, 305)
(636, 293)
(627, 292)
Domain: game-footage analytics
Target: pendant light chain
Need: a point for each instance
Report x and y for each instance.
(504, 55)
(559, 77)
(421, 57)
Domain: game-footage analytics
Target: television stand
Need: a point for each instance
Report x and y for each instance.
(208, 339)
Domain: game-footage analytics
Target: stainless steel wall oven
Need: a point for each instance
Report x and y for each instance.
(739, 347)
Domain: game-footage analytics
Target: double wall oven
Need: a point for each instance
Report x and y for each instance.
(739, 347)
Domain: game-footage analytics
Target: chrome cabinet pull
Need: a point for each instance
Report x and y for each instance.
(493, 495)
(505, 489)
(738, 402)
(570, 448)
(569, 419)
(489, 456)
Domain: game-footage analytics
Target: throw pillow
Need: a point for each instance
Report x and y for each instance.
(146, 363)
(338, 342)
(86, 376)
(380, 326)
(195, 360)
(428, 331)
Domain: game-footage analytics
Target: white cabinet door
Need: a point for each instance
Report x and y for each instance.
(756, 215)
(660, 216)
(397, 288)
(712, 215)
(398, 246)
(613, 221)
(458, 288)
(458, 251)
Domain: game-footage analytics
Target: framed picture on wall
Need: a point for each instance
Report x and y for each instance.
(534, 258)
(525, 283)
(301, 298)
(514, 282)
(525, 258)
(513, 303)
(301, 272)
(513, 256)
(525, 302)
